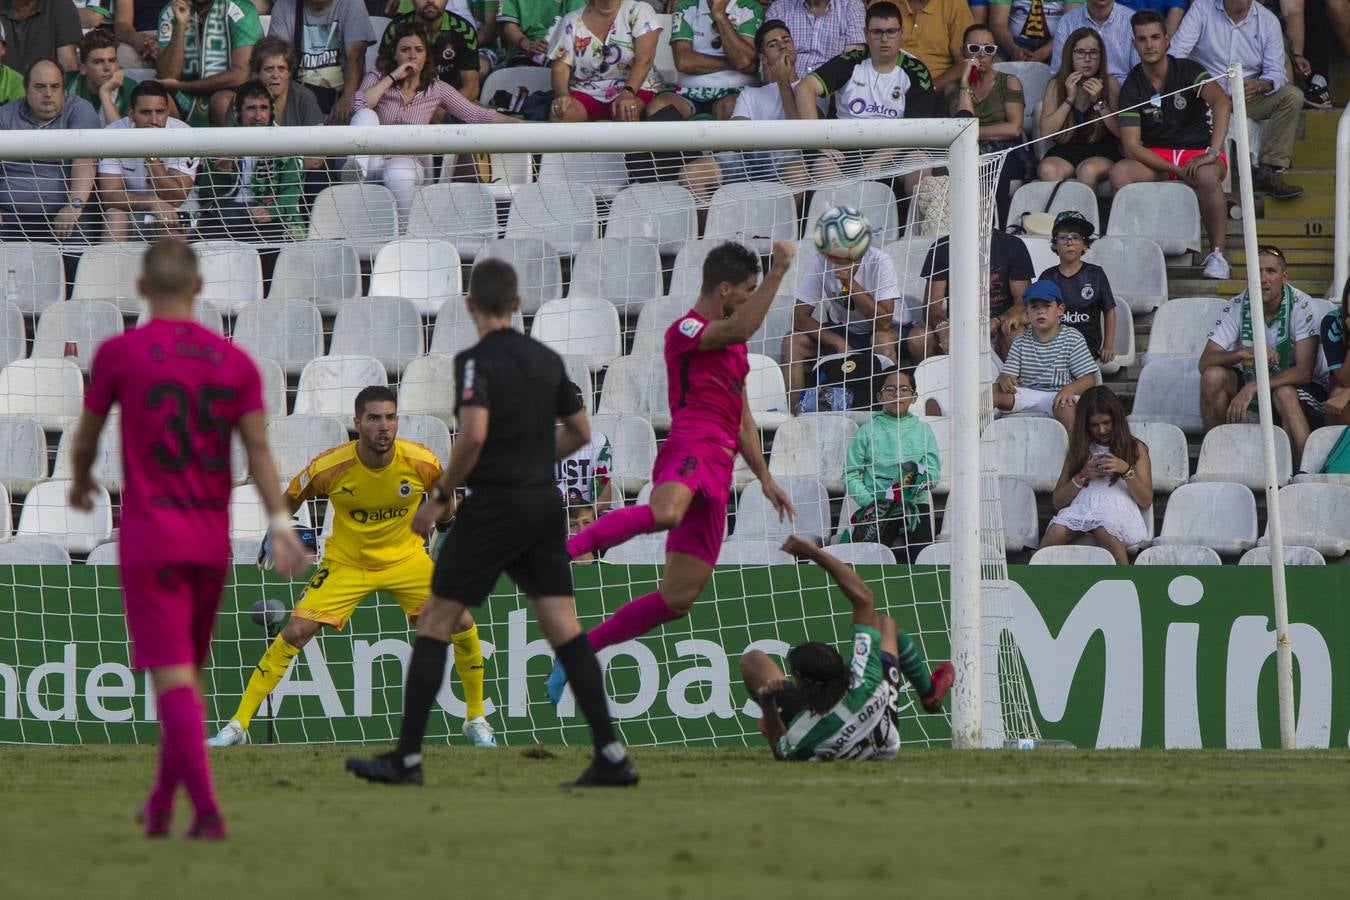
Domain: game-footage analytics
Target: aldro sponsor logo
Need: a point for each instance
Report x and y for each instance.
(364, 516)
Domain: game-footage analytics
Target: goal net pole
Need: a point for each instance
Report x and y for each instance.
(1284, 668)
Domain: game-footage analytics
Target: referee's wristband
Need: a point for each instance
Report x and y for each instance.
(438, 494)
(279, 522)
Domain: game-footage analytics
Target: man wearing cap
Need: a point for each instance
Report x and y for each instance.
(1049, 365)
(1089, 304)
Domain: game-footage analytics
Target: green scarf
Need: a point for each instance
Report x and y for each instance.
(1284, 336)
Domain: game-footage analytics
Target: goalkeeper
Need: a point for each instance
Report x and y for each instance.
(374, 485)
(829, 709)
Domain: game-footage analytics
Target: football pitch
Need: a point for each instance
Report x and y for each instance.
(704, 823)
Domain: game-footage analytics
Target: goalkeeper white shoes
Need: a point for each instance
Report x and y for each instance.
(480, 732)
(232, 735)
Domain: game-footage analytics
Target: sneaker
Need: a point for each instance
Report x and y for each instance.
(1270, 181)
(480, 732)
(943, 676)
(386, 768)
(603, 774)
(557, 683)
(154, 822)
(1216, 266)
(232, 735)
(1316, 93)
(208, 827)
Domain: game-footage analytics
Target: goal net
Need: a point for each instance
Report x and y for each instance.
(338, 258)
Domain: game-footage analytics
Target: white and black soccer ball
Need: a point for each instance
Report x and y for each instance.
(843, 234)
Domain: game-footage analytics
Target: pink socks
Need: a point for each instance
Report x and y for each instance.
(610, 529)
(182, 753)
(634, 618)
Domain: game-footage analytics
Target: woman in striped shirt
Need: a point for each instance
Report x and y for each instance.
(404, 89)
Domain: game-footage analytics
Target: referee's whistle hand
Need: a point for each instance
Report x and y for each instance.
(289, 557)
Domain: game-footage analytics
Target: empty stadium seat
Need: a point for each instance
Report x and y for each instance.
(562, 214)
(50, 391)
(624, 271)
(1167, 453)
(231, 274)
(664, 213)
(506, 173)
(908, 254)
(1166, 213)
(103, 555)
(1169, 391)
(1034, 77)
(1033, 196)
(295, 440)
(1219, 516)
(107, 468)
(1293, 556)
(87, 323)
(363, 215)
(1124, 342)
(687, 276)
(636, 385)
(632, 444)
(13, 334)
(287, 330)
(1030, 448)
(664, 62)
(206, 316)
(513, 79)
(1315, 453)
(932, 381)
(110, 272)
(47, 515)
(757, 520)
(1317, 516)
(815, 445)
(429, 431)
(1021, 525)
(248, 515)
(755, 212)
(23, 454)
(873, 199)
(455, 331)
(862, 553)
(273, 387)
(461, 213)
(425, 271)
(768, 339)
(1181, 327)
(649, 335)
(1135, 267)
(1234, 453)
(1041, 253)
(1072, 555)
(643, 550)
(329, 384)
(766, 393)
(387, 328)
(1178, 555)
(538, 268)
(753, 553)
(580, 326)
(33, 552)
(39, 274)
(940, 554)
(427, 388)
(605, 173)
(322, 272)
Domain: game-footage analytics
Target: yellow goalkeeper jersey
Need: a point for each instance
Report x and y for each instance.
(371, 509)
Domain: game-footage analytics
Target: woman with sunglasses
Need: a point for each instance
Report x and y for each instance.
(1078, 109)
(997, 100)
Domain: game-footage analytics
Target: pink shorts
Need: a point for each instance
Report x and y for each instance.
(171, 610)
(598, 110)
(706, 470)
(1181, 157)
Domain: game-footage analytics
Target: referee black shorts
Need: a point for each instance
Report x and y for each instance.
(520, 532)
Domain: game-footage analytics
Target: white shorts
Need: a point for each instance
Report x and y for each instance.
(1032, 400)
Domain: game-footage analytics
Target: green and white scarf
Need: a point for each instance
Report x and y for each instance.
(1284, 336)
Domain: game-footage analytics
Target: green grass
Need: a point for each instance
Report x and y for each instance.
(704, 823)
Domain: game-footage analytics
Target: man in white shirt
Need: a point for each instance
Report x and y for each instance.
(143, 195)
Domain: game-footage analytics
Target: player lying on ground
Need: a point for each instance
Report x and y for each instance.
(828, 709)
(182, 390)
(510, 394)
(706, 366)
(373, 485)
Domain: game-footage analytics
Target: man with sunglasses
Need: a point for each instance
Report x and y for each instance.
(1089, 304)
(932, 31)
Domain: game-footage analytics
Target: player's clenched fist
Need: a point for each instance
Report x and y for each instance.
(783, 252)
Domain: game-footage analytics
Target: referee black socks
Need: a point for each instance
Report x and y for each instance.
(588, 687)
(426, 672)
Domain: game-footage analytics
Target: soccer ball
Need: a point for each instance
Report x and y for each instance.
(843, 234)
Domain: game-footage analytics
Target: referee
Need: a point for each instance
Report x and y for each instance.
(510, 393)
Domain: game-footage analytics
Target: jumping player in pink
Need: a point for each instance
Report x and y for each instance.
(182, 390)
(706, 365)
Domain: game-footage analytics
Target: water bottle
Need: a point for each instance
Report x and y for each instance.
(12, 287)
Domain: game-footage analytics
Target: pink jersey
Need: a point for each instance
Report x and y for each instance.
(706, 388)
(182, 389)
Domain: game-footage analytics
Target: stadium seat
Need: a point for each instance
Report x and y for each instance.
(425, 271)
(1072, 555)
(624, 271)
(429, 431)
(288, 331)
(1042, 254)
(461, 213)
(643, 550)
(768, 339)
(206, 316)
(1135, 268)
(427, 388)
(39, 274)
(1293, 556)
(513, 79)
(874, 199)
(664, 63)
(1234, 453)
(23, 454)
(940, 554)
(862, 553)
(663, 213)
(231, 275)
(109, 272)
(1217, 515)
(1178, 555)
(815, 445)
(1029, 448)
(454, 330)
(736, 552)
(932, 381)
(1317, 516)
(649, 335)
(766, 393)
(757, 520)
(1167, 452)
(1169, 391)
(687, 276)
(273, 387)
(604, 173)
(107, 468)
(87, 323)
(1181, 327)
(295, 440)
(13, 334)
(1034, 77)
(1033, 196)
(538, 268)
(1166, 213)
(908, 254)
(363, 215)
(244, 551)
(387, 328)
(33, 552)
(103, 555)
(562, 214)
(378, 25)
(580, 326)
(636, 385)
(48, 515)
(755, 212)
(1315, 453)
(1021, 525)
(577, 369)
(1124, 343)
(248, 516)
(322, 272)
(632, 444)
(329, 384)
(51, 391)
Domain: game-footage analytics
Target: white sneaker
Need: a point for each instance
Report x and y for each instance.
(480, 732)
(232, 735)
(1217, 267)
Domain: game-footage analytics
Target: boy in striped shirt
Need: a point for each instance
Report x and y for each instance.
(1049, 364)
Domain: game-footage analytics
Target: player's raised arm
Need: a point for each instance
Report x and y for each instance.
(742, 324)
(288, 554)
(854, 588)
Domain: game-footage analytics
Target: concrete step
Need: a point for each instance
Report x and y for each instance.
(1313, 228)
(1316, 153)
(1199, 286)
(1301, 209)
(1320, 124)
(1293, 256)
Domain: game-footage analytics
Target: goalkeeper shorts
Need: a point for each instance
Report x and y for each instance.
(335, 590)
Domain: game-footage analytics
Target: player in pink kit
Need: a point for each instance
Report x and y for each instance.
(706, 365)
(182, 390)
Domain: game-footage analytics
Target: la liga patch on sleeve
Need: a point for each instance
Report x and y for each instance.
(690, 327)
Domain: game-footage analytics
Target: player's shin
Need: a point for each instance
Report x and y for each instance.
(426, 673)
(265, 678)
(469, 667)
(588, 687)
(612, 528)
(913, 665)
(181, 716)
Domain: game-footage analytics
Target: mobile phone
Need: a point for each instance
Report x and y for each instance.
(974, 78)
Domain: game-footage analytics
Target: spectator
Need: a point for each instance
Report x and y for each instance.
(45, 200)
(331, 48)
(142, 196)
(1077, 109)
(1170, 10)
(404, 90)
(41, 29)
(843, 306)
(933, 33)
(101, 80)
(583, 477)
(11, 81)
(579, 515)
(204, 50)
(293, 103)
(482, 14)
(1109, 19)
(1106, 484)
(91, 15)
(891, 468)
(1049, 364)
(1334, 332)
(136, 27)
(1309, 60)
(998, 103)
(1089, 304)
(713, 44)
(1025, 29)
(602, 57)
(1228, 372)
(454, 43)
(821, 29)
(1173, 121)
(252, 198)
(527, 26)
(1217, 33)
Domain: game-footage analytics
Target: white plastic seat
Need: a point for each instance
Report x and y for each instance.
(429, 431)
(454, 329)
(231, 274)
(1234, 453)
(644, 550)
(387, 328)
(649, 335)
(295, 440)
(1317, 516)
(1179, 555)
(287, 330)
(87, 323)
(1034, 77)
(33, 552)
(687, 276)
(1169, 391)
(1072, 555)
(103, 555)
(664, 62)
(1032, 449)
(329, 384)
(203, 314)
(506, 173)
(940, 554)
(663, 213)
(425, 271)
(1136, 269)
(624, 271)
(1293, 556)
(1315, 453)
(604, 173)
(862, 553)
(757, 520)
(110, 272)
(1033, 196)
(766, 393)
(815, 445)
(1021, 523)
(363, 215)
(512, 78)
(768, 339)
(538, 268)
(13, 334)
(873, 199)
(1124, 342)
(323, 272)
(636, 385)
(580, 326)
(632, 445)
(907, 255)
(1181, 327)
(1167, 453)
(273, 387)
(47, 515)
(427, 388)
(756, 212)
(563, 214)
(107, 468)
(248, 516)
(1218, 515)
(39, 274)
(753, 553)
(462, 213)
(1166, 213)
(23, 454)
(51, 391)
(1042, 254)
